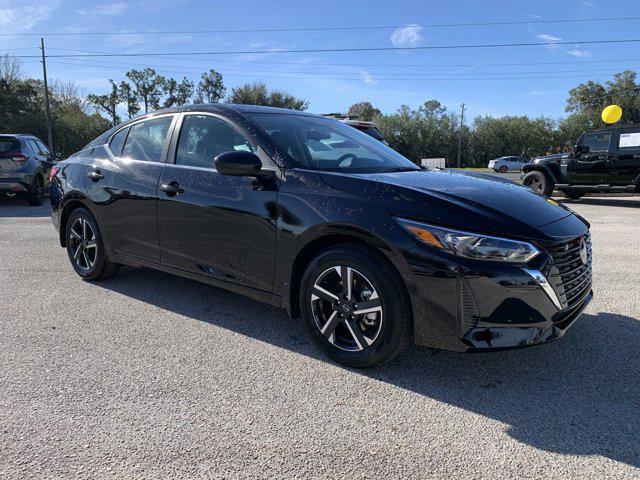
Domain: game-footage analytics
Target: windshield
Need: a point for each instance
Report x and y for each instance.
(324, 144)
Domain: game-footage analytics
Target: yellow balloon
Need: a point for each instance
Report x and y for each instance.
(611, 114)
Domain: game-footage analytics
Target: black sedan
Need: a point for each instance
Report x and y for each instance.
(311, 215)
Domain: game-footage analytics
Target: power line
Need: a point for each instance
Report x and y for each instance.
(373, 78)
(403, 74)
(343, 50)
(332, 28)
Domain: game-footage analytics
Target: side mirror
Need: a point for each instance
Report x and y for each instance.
(239, 163)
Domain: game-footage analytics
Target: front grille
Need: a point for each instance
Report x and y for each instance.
(569, 274)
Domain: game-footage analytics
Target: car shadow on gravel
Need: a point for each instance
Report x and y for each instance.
(579, 395)
(605, 202)
(18, 207)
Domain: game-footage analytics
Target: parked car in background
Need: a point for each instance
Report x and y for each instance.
(310, 215)
(508, 164)
(605, 160)
(25, 163)
(367, 127)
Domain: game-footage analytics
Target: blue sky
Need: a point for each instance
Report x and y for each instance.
(333, 81)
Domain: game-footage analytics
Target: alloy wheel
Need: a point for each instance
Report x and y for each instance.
(82, 241)
(346, 308)
(535, 184)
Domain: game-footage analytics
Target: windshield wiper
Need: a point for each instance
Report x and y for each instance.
(401, 169)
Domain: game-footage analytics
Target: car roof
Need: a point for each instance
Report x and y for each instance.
(220, 108)
(614, 127)
(18, 135)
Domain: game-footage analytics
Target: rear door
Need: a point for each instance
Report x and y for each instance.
(216, 225)
(123, 179)
(625, 161)
(591, 166)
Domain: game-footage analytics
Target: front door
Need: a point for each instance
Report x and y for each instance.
(591, 165)
(212, 224)
(122, 183)
(625, 162)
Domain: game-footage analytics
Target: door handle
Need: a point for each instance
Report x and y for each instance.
(171, 189)
(95, 175)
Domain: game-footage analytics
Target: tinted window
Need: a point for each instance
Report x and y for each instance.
(372, 131)
(43, 149)
(33, 146)
(203, 137)
(8, 145)
(326, 144)
(597, 142)
(118, 141)
(146, 139)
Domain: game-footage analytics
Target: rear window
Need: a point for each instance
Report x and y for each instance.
(372, 131)
(9, 145)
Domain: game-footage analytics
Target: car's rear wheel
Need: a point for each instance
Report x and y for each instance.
(355, 307)
(86, 248)
(503, 169)
(35, 197)
(538, 182)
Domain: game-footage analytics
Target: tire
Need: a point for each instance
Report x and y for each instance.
(503, 169)
(573, 194)
(539, 183)
(363, 340)
(35, 196)
(86, 248)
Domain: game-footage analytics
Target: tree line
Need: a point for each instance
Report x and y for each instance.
(427, 131)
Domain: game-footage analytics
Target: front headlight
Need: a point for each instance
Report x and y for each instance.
(471, 245)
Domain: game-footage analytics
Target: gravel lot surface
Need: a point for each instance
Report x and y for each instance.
(152, 376)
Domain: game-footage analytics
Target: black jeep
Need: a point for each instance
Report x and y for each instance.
(605, 160)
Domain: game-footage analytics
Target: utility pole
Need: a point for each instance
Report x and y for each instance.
(47, 105)
(460, 134)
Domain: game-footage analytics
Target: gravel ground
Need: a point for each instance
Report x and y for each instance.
(152, 376)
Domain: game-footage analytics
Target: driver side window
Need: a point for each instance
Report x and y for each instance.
(203, 137)
(597, 142)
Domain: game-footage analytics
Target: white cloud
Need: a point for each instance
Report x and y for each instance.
(545, 37)
(551, 40)
(366, 76)
(578, 52)
(407, 36)
(540, 93)
(105, 10)
(19, 17)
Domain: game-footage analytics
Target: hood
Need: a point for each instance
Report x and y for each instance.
(466, 201)
(556, 157)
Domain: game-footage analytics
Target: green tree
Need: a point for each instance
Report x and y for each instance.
(257, 94)
(426, 132)
(211, 89)
(127, 96)
(108, 102)
(177, 93)
(589, 99)
(364, 111)
(149, 87)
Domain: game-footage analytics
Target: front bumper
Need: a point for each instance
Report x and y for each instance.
(480, 306)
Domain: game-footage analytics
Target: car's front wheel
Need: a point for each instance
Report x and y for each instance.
(356, 307)
(538, 182)
(503, 169)
(86, 248)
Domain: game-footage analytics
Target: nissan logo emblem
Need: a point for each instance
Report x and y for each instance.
(584, 254)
